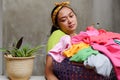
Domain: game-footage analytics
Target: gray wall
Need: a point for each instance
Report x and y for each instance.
(116, 15)
(31, 19)
(102, 13)
(0, 35)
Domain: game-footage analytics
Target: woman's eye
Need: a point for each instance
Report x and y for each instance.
(63, 20)
(71, 16)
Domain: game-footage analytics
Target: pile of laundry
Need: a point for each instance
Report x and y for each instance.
(96, 48)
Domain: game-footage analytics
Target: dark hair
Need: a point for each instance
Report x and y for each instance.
(53, 29)
(56, 27)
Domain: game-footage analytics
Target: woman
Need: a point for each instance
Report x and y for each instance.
(64, 19)
(64, 23)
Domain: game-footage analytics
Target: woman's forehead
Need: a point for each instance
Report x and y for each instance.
(64, 11)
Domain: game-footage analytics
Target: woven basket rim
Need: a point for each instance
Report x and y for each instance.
(31, 57)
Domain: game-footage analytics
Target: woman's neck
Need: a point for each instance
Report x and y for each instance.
(73, 34)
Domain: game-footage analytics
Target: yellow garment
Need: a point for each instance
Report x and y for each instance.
(75, 48)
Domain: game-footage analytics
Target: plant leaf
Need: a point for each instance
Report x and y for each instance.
(3, 50)
(32, 51)
(19, 43)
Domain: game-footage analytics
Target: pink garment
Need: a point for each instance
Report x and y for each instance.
(57, 50)
(103, 38)
(92, 35)
(85, 35)
(112, 51)
(79, 38)
(91, 31)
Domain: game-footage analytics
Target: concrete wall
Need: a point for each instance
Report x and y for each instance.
(116, 15)
(102, 13)
(31, 19)
(1, 36)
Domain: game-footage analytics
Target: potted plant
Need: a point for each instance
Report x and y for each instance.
(19, 60)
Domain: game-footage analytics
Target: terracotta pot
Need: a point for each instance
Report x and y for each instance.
(19, 68)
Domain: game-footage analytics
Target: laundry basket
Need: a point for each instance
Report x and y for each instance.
(67, 70)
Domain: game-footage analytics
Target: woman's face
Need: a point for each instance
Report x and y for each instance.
(67, 20)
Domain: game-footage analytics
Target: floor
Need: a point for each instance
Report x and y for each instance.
(32, 78)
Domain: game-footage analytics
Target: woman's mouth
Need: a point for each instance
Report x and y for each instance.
(71, 26)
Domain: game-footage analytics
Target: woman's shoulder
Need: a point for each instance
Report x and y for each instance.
(58, 33)
(54, 38)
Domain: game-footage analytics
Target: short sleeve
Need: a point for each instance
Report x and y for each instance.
(54, 39)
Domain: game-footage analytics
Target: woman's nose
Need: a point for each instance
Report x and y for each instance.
(69, 20)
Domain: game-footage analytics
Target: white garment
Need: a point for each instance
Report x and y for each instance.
(101, 63)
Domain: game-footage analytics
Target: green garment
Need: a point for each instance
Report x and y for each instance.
(83, 54)
(54, 39)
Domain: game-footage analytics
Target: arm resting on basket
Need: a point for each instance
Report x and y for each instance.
(48, 69)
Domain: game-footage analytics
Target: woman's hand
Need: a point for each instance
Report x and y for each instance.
(51, 77)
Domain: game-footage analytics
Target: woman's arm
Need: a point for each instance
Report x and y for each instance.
(48, 69)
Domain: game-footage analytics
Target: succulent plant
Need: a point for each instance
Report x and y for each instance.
(19, 50)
